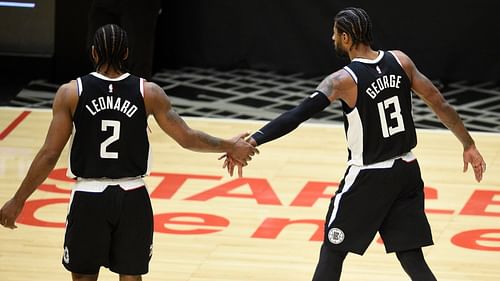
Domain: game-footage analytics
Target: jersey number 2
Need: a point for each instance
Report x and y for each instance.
(387, 130)
(115, 126)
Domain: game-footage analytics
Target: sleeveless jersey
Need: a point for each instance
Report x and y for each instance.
(380, 126)
(110, 128)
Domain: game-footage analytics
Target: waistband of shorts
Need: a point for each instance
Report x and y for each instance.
(407, 157)
(99, 185)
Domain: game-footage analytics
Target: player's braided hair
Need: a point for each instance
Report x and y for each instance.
(356, 23)
(110, 43)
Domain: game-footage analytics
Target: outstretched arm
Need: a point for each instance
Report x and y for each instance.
(282, 125)
(288, 121)
(424, 88)
(58, 134)
(158, 104)
(338, 85)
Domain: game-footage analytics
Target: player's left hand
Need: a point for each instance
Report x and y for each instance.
(9, 213)
(471, 155)
(230, 163)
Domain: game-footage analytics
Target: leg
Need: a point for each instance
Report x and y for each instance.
(414, 264)
(132, 241)
(329, 265)
(87, 237)
(124, 277)
(84, 277)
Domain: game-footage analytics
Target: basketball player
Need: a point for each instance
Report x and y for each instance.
(110, 219)
(382, 189)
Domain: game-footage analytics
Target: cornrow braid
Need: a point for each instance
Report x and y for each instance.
(356, 23)
(111, 43)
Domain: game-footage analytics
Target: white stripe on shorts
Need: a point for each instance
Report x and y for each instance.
(348, 181)
(353, 174)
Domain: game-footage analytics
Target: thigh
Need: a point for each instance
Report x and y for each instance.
(133, 237)
(406, 225)
(87, 237)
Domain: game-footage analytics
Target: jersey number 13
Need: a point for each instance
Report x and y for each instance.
(394, 113)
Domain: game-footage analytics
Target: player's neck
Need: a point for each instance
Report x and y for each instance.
(363, 52)
(109, 72)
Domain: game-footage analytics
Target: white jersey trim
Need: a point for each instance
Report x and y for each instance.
(100, 76)
(353, 75)
(397, 59)
(150, 160)
(376, 60)
(355, 137)
(79, 86)
(141, 86)
(99, 185)
(69, 172)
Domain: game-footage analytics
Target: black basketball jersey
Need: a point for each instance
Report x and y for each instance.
(380, 126)
(110, 128)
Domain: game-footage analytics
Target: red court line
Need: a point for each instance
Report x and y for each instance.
(13, 124)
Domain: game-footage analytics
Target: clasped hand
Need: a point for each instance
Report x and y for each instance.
(242, 152)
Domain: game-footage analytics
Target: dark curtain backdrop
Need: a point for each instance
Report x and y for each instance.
(448, 40)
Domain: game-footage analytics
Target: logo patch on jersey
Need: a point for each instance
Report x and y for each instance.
(66, 255)
(335, 235)
(110, 88)
(378, 70)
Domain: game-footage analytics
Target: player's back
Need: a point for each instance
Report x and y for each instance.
(110, 128)
(380, 126)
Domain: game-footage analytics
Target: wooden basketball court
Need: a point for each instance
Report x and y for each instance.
(264, 226)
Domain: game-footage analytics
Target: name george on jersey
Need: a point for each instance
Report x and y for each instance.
(112, 103)
(382, 83)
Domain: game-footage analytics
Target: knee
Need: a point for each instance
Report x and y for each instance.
(84, 277)
(410, 257)
(124, 277)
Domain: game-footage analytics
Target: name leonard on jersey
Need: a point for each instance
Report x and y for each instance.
(384, 82)
(113, 103)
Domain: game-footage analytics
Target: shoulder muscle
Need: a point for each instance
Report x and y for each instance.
(338, 85)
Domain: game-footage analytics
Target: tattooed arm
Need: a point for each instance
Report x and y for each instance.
(158, 104)
(424, 88)
(339, 85)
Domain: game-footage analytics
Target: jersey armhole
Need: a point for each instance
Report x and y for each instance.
(396, 58)
(352, 74)
(79, 86)
(141, 86)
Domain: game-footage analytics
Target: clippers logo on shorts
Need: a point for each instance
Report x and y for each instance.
(66, 255)
(335, 236)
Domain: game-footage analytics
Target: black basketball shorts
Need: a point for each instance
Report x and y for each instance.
(113, 228)
(389, 200)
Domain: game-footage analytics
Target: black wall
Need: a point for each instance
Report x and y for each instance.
(448, 40)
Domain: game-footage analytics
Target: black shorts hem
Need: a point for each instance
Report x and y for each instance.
(124, 272)
(399, 249)
(80, 272)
